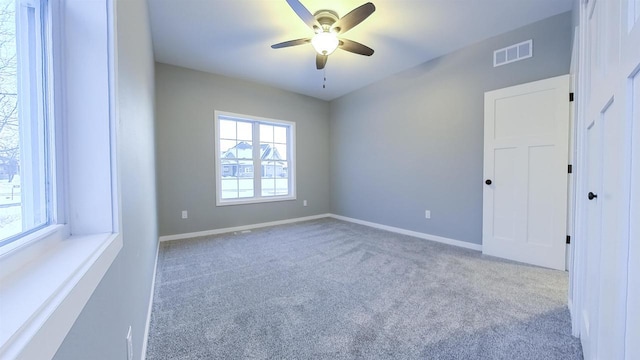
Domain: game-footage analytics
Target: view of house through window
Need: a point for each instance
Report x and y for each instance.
(254, 159)
(23, 142)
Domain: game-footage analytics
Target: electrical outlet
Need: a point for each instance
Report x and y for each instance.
(427, 214)
(129, 345)
(184, 214)
(304, 202)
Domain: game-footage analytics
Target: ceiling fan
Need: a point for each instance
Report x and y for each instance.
(327, 26)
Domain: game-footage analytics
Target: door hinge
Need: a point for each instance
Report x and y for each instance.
(571, 96)
(570, 169)
(568, 239)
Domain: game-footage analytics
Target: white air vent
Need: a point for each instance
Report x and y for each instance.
(513, 53)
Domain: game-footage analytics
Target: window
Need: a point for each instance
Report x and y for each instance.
(25, 196)
(51, 263)
(255, 159)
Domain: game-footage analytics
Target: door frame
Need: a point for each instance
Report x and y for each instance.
(577, 150)
(577, 275)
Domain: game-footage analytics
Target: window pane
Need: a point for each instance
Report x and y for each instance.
(244, 150)
(229, 189)
(282, 186)
(266, 133)
(245, 169)
(283, 169)
(10, 194)
(268, 187)
(228, 149)
(280, 134)
(268, 170)
(227, 129)
(266, 151)
(23, 195)
(245, 188)
(280, 151)
(245, 131)
(229, 168)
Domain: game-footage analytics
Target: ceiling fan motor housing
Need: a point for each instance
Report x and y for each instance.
(326, 18)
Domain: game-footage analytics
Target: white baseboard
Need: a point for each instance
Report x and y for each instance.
(240, 228)
(148, 324)
(420, 235)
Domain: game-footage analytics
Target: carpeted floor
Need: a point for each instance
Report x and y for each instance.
(328, 289)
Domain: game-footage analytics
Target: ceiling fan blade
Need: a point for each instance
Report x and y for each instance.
(355, 47)
(321, 61)
(304, 14)
(291, 43)
(355, 17)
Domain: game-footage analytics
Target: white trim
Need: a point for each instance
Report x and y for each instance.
(114, 112)
(240, 228)
(573, 180)
(255, 200)
(436, 238)
(578, 273)
(145, 339)
(55, 231)
(440, 239)
(36, 319)
(87, 116)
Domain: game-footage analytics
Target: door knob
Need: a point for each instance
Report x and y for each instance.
(488, 182)
(592, 196)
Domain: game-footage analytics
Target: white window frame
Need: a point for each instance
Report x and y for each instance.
(257, 173)
(31, 46)
(48, 276)
(34, 125)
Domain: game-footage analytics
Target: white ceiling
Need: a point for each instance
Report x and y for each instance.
(233, 37)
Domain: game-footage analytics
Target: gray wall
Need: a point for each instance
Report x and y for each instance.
(122, 297)
(575, 17)
(414, 141)
(575, 13)
(185, 104)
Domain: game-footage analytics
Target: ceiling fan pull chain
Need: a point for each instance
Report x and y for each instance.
(324, 75)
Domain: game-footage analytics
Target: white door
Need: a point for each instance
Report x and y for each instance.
(629, 77)
(594, 226)
(633, 288)
(526, 134)
(606, 273)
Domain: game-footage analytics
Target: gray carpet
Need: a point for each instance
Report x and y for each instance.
(328, 289)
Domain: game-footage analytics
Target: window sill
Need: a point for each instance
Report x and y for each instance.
(44, 287)
(255, 200)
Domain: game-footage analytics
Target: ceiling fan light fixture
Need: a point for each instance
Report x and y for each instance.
(325, 42)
